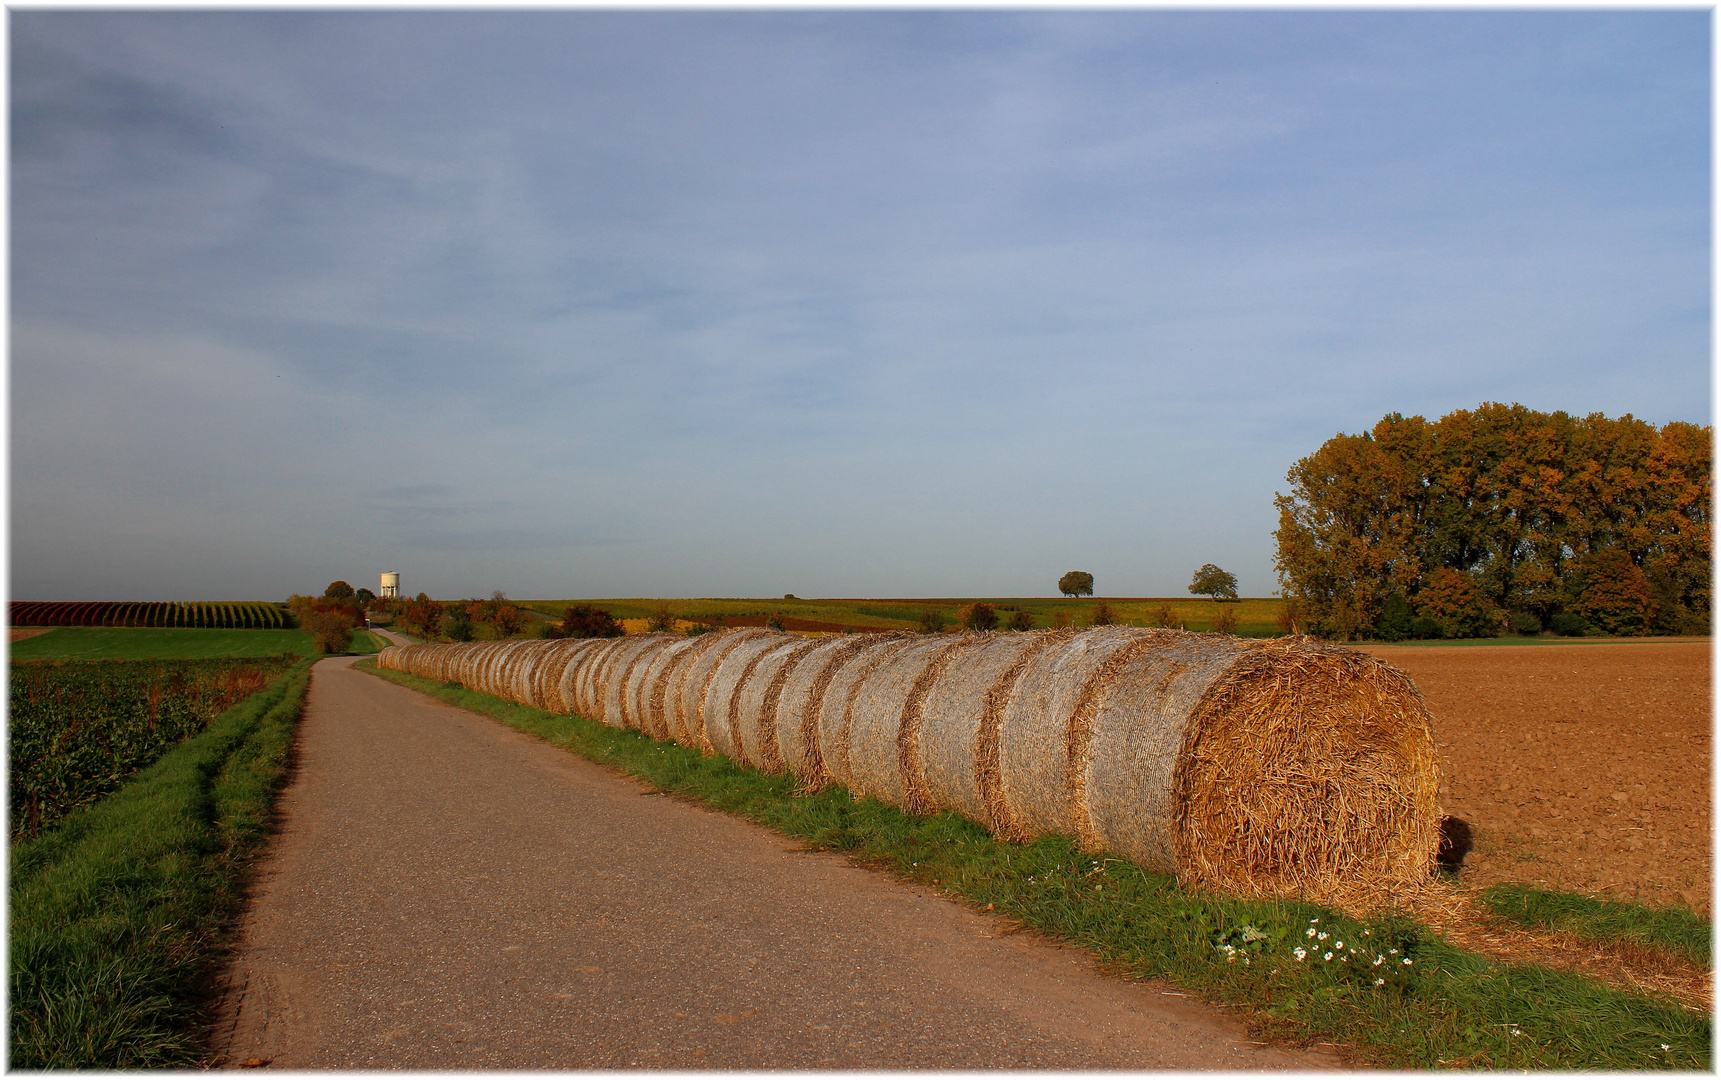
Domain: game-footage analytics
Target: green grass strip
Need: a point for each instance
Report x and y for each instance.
(119, 914)
(1447, 1008)
(1676, 930)
(141, 643)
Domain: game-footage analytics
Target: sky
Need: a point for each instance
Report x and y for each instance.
(834, 303)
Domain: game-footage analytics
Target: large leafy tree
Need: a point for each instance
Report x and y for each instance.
(1076, 583)
(1506, 496)
(1214, 582)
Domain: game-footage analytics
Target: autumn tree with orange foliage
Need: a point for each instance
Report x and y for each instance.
(1509, 498)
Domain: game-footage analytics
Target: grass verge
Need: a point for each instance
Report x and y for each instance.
(1680, 932)
(1444, 1007)
(119, 914)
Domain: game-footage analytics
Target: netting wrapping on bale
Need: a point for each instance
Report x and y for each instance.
(1262, 767)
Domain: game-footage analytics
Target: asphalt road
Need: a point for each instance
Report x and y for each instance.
(447, 893)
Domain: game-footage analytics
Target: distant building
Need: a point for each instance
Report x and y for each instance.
(390, 583)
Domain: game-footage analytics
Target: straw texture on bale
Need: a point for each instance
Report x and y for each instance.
(1276, 767)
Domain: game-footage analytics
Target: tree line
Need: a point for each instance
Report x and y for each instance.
(1499, 519)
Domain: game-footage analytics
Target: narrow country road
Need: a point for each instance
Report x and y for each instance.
(447, 893)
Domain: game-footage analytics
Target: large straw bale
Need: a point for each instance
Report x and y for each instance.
(700, 708)
(754, 707)
(723, 701)
(847, 683)
(801, 702)
(686, 682)
(953, 716)
(622, 655)
(635, 690)
(882, 708)
(1033, 731)
(653, 713)
(575, 680)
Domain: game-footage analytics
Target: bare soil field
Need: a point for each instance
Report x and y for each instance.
(1582, 767)
(16, 633)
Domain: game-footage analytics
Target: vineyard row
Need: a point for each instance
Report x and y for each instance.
(248, 615)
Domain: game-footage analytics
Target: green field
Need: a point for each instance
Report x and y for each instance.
(131, 643)
(1256, 617)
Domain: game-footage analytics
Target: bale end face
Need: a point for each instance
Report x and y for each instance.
(1308, 770)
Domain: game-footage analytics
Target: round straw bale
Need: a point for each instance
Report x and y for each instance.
(838, 713)
(572, 683)
(705, 702)
(686, 681)
(653, 713)
(951, 721)
(800, 703)
(886, 705)
(723, 702)
(1308, 768)
(1033, 731)
(635, 690)
(755, 707)
(621, 654)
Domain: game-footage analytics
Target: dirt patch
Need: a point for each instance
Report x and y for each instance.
(1582, 767)
(17, 633)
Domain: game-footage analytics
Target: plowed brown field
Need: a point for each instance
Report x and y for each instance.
(1582, 767)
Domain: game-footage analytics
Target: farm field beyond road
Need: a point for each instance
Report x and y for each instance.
(137, 643)
(1582, 767)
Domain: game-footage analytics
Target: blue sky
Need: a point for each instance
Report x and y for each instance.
(683, 303)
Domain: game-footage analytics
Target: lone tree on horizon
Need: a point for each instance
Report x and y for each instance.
(1214, 582)
(1076, 583)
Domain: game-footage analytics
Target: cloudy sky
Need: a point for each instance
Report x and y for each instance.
(586, 304)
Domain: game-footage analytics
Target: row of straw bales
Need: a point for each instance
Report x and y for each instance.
(1287, 766)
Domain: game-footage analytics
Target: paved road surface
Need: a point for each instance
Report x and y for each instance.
(448, 893)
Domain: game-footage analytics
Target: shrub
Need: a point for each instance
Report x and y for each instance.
(1021, 620)
(977, 617)
(1163, 616)
(1525, 622)
(424, 615)
(1225, 621)
(932, 621)
(1567, 624)
(1395, 618)
(790, 596)
(1291, 618)
(1061, 621)
(662, 621)
(331, 630)
(338, 590)
(588, 621)
(1423, 627)
(458, 624)
(699, 628)
(775, 622)
(1103, 615)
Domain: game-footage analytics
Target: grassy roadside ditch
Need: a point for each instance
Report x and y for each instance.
(119, 913)
(1393, 993)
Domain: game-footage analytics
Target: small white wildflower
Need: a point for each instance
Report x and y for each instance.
(1379, 960)
(1329, 956)
(1664, 1046)
(1245, 959)
(1299, 953)
(1394, 952)
(1310, 932)
(1338, 944)
(1314, 920)
(1406, 960)
(1365, 933)
(1321, 937)
(1380, 982)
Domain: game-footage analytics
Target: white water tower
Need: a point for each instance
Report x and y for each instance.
(390, 583)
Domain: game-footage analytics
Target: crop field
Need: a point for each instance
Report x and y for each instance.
(78, 729)
(1256, 616)
(123, 643)
(245, 615)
